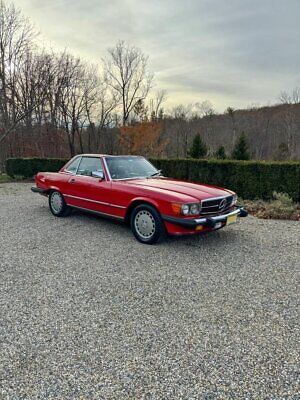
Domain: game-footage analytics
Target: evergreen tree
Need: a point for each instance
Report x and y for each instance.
(161, 114)
(282, 152)
(153, 116)
(220, 153)
(199, 148)
(240, 151)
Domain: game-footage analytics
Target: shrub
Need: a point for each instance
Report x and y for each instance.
(280, 207)
(220, 153)
(199, 148)
(5, 178)
(240, 151)
(28, 167)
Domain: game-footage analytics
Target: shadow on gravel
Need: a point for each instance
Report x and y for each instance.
(217, 239)
(94, 217)
(212, 238)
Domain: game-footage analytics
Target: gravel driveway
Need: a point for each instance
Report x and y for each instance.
(87, 312)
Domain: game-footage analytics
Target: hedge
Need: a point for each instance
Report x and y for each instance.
(250, 179)
(28, 167)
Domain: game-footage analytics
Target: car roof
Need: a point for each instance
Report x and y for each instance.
(91, 155)
(105, 155)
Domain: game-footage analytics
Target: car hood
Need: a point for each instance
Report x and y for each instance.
(177, 187)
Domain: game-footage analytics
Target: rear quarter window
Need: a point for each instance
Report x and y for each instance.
(72, 168)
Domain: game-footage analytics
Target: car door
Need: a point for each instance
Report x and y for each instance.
(88, 192)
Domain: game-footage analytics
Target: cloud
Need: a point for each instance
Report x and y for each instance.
(232, 52)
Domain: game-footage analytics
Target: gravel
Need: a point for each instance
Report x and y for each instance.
(87, 312)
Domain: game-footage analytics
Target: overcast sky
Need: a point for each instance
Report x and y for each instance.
(232, 52)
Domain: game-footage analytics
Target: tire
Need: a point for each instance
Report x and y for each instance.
(57, 204)
(147, 225)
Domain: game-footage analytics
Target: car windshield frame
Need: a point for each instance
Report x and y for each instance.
(106, 159)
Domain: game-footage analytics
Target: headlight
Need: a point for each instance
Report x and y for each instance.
(190, 209)
(185, 209)
(194, 209)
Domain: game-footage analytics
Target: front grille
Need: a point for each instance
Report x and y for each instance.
(216, 206)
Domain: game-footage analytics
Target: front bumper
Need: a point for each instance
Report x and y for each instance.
(209, 222)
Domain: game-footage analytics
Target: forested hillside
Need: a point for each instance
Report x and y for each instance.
(271, 132)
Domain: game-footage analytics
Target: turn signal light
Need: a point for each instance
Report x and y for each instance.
(176, 208)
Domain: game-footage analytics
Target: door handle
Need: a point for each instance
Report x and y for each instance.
(72, 180)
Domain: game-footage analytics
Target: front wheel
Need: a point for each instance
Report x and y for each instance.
(147, 225)
(57, 204)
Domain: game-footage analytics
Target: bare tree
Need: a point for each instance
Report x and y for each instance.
(16, 35)
(231, 112)
(100, 108)
(155, 104)
(72, 101)
(127, 74)
(290, 98)
(206, 108)
(181, 128)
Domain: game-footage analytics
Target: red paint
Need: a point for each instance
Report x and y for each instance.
(115, 197)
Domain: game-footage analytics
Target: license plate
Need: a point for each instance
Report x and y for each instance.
(231, 219)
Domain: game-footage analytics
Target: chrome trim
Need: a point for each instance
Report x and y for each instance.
(211, 206)
(215, 212)
(213, 199)
(87, 176)
(106, 168)
(78, 165)
(217, 217)
(101, 214)
(210, 222)
(93, 201)
(130, 179)
(67, 173)
(217, 198)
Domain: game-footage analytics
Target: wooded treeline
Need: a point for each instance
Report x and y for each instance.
(56, 105)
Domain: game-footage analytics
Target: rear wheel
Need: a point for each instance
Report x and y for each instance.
(57, 204)
(147, 225)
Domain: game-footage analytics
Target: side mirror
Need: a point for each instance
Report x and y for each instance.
(98, 174)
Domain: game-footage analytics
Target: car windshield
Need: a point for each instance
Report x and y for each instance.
(126, 167)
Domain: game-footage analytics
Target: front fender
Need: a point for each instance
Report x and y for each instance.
(140, 200)
(53, 188)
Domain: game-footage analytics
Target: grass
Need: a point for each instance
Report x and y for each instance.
(280, 207)
(5, 178)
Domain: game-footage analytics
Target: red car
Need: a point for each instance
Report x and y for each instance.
(131, 189)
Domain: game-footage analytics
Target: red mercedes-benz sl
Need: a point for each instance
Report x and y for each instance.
(131, 189)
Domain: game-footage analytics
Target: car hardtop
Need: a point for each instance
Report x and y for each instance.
(107, 155)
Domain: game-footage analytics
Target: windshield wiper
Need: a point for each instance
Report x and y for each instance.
(158, 173)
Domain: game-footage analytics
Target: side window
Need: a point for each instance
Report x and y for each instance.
(89, 165)
(73, 166)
